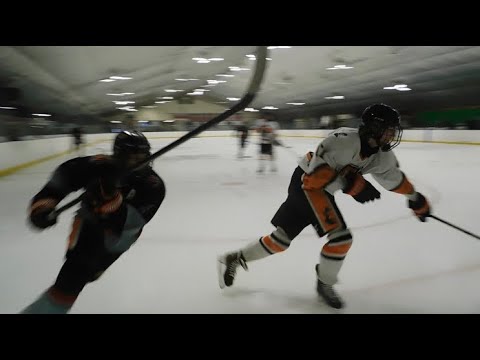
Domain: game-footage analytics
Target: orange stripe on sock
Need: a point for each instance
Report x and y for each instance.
(337, 250)
(272, 245)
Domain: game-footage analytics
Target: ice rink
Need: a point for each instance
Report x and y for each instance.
(216, 203)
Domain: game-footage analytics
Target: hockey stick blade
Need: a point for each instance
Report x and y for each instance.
(256, 80)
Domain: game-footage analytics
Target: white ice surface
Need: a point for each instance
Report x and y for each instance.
(216, 203)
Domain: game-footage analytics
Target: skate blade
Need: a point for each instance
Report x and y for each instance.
(220, 270)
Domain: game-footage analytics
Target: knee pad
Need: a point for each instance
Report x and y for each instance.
(276, 242)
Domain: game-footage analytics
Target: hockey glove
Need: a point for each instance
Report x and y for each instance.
(420, 207)
(40, 211)
(360, 189)
(102, 196)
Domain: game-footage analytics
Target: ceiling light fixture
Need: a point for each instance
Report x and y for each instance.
(399, 87)
(336, 97)
(340, 67)
(115, 78)
(278, 47)
(120, 78)
(206, 61)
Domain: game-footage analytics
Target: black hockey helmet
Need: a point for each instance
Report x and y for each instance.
(382, 123)
(267, 115)
(130, 143)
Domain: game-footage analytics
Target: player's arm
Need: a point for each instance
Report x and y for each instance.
(322, 173)
(83, 172)
(395, 180)
(66, 178)
(150, 193)
(127, 224)
(320, 167)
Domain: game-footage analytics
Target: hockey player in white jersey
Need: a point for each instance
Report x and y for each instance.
(267, 129)
(339, 163)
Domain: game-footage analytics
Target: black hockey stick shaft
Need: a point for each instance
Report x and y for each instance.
(242, 104)
(456, 227)
(255, 82)
(288, 148)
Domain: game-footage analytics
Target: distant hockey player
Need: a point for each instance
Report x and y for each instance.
(77, 137)
(242, 134)
(267, 129)
(110, 220)
(339, 163)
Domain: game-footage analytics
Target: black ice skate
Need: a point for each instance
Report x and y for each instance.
(227, 267)
(328, 293)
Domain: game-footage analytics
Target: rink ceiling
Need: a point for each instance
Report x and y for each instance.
(65, 79)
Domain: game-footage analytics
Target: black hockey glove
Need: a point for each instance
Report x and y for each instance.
(40, 211)
(420, 207)
(360, 189)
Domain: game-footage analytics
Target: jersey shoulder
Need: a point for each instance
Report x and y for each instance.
(342, 139)
(387, 160)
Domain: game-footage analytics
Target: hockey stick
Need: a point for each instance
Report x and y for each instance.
(279, 143)
(288, 148)
(255, 82)
(454, 226)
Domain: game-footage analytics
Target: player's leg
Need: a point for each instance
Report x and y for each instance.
(86, 260)
(289, 220)
(328, 220)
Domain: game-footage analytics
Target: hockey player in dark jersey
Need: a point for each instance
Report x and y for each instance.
(77, 135)
(242, 133)
(112, 215)
(339, 163)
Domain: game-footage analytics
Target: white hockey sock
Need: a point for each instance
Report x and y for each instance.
(328, 270)
(332, 256)
(254, 251)
(276, 242)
